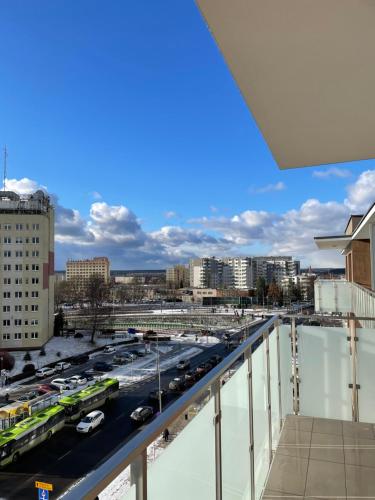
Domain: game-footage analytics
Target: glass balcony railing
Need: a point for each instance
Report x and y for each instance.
(344, 297)
(229, 422)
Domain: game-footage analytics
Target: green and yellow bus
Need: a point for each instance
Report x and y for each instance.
(91, 397)
(21, 437)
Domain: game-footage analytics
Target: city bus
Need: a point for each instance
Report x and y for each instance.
(91, 397)
(21, 437)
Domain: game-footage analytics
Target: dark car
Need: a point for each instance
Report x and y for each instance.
(140, 354)
(80, 359)
(142, 413)
(87, 375)
(184, 364)
(215, 359)
(177, 384)
(154, 395)
(102, 366)
(119, 359)
(134, 352)
(203, 368)
(190, 378)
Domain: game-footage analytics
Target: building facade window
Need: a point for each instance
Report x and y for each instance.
(19, 253)
(6, 295)
(7, 240)
(18, 322)
(7, 253)
(35, 227)
(19, 227)
(35, 294)
(17, 336)
(6, 336)
(6, 322)
(6, 308)
(35, 253)
(7, 267)
(34, 322)
(18, 295)
(34, 281)
(34, 307)
(19, 240)
(35, 267)
(34, 335)
(7, 281)
(18, 308)
(7, 227)
(35, 240)
(18, 267)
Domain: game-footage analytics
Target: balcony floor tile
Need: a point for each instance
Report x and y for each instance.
(335, 460)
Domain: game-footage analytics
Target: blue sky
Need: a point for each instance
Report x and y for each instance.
(130, 104)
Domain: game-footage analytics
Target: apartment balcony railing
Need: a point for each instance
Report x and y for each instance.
(345, 297)
(225, 450)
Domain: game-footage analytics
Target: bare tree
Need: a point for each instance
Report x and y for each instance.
(97, 293)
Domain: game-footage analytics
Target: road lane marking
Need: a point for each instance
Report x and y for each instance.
(65, 454)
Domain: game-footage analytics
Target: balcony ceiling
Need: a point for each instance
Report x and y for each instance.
(306, 71)
(332, 242)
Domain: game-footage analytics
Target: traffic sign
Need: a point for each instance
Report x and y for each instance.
(43, 494)
(43, 486)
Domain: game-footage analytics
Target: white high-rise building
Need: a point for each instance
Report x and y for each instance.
(241, 272)
(27, 270)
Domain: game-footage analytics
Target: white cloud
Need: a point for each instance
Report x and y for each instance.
(23, 186)
(361, 194)
(115, 231)
(170, 214)
(278, 186)
(342, 173)
(96, 195)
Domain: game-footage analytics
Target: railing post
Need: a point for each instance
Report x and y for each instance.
(294, 357)
(215, 391)
(251, 422)
(266, 341)
(138, 475)
(277, 325)
(354, 386)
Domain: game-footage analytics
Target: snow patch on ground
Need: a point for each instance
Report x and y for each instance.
(67, 346)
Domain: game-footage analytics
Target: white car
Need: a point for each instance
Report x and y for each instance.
(63, 384)
(45, 372)
(62, 365)
(78, 380)
(109, 348)
(90, 421)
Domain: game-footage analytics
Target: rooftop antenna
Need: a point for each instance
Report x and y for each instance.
(5, 166)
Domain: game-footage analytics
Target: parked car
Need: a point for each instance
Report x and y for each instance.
(109, 348)
(28, 396)
(134, 352)
(120, 359)
(102, 366)
(215, 359)
(87, 375)
(64, 384)
(140, 353)
(184, 364)
(129, 355)
(80, 359)
(45, 372)
(46, 388)
(177, 384)
(202, 369)
(90, 421)
(78, 380)
(154, 395)
(142, 414)
(190, 378)
(78, 335)
(62, 365)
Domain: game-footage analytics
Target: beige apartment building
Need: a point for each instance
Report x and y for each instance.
(27, 270)
(178, 276)
(81, 270)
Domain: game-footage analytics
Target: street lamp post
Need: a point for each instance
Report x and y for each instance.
(158, 369)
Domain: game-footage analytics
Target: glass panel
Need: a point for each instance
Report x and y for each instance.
(366, 374)
(129, 495)
(235, 436)
(261, 441)
(186, 468)
(286, 370)
(333, 296)
(275, 412)
(324, 370)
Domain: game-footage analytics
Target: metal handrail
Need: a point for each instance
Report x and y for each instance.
(94, 483)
